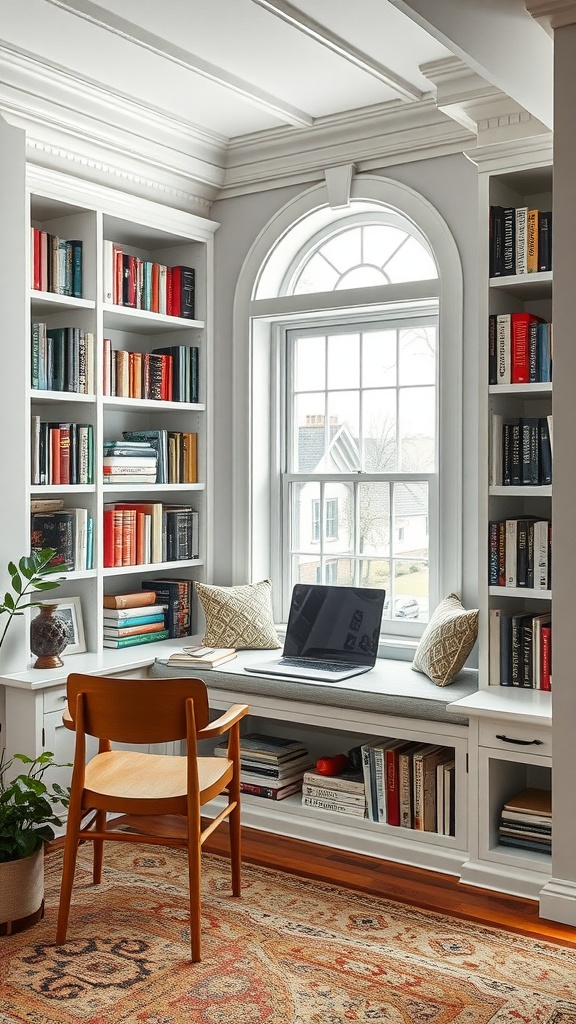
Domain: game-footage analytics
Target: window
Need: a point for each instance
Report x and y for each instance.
(347, 400)
(361, 453)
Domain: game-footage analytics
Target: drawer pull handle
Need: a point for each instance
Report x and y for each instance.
(523, 743)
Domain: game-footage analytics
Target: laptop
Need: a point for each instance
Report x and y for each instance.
(332, 633)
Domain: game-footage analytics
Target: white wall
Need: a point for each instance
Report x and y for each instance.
(450, 184)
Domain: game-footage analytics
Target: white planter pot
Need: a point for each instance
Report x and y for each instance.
(21, 892)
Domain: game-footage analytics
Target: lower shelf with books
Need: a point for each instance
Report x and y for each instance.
(318, 811)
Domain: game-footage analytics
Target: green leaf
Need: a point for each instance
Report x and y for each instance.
(8, 601)
(46, 585)
(26, 568)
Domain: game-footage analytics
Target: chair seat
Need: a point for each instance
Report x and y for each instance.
(127, 774)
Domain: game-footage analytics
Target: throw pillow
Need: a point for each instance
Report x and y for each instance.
(239, 617)
(447, 641)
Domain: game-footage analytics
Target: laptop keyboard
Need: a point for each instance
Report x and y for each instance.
(328, 666)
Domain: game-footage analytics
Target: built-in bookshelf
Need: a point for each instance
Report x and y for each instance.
(511, 712)
(69, 404)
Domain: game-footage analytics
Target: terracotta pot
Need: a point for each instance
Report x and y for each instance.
(21, 892)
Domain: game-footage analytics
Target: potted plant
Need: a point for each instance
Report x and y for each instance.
(27, 814)
(27, 821)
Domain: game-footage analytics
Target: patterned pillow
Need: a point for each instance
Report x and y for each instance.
(447, 641)
(239, 617)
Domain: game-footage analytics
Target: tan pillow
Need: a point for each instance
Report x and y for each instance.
(239, 617)
(447, 641)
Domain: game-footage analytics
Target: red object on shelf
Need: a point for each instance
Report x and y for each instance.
(332, 765)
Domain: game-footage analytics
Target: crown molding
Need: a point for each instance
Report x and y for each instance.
(464, 95)
(75, 125)
(514, 154)
(552, 14)
(309, 27)
(372, 137)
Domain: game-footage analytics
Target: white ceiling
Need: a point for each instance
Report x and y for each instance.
(233, 67)
(221, 73)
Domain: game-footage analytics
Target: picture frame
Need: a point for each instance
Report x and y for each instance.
(69, 609)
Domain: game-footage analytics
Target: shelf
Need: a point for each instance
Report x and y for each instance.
(150, 489)
(522, 491)
(47, 302)
(148, 567)
(126, 318)
(525, 286)
(539, 388)
(151, 404)
(530, 595)
(46, 490)
(60, 396)
(531, 706)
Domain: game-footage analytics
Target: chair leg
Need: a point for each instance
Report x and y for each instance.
(235, 849)
(68, 871)
(194, 880)
(100, 825)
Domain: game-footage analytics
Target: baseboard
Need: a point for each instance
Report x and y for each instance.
(558, 901)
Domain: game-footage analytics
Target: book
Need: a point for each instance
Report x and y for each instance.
(268, 792)
(142, 621)
(334, 795)
(270, 747)
(136, 599)
(392, 779)
(211, 658)
(424, 767)
(503, 344)
(350, 780)
(282, 773)
(132, 641)
(176, 598)
(138, 629)
(335, 806)
(133, 612)
(531, 801)
(519, 347)
(406, 778)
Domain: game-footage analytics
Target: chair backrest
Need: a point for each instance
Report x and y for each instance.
(137, 710)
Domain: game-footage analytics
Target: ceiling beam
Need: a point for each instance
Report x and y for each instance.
(110, 22)
(300, 21)
(499, 40)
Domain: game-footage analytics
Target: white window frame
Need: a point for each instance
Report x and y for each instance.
(260, 311)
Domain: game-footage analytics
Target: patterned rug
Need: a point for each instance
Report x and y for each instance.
(290, 951)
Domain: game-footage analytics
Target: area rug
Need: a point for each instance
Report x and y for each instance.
(290, 951)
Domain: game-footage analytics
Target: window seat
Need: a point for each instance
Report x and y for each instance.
(392, 687)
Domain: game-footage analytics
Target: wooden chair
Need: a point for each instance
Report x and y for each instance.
(119, 782)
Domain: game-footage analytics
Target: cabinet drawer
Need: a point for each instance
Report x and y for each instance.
(54, 699)
(522, 738)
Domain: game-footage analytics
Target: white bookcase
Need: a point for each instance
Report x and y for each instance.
(73, 209)
(510, 727)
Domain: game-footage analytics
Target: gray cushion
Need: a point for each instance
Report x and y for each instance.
(392, 688)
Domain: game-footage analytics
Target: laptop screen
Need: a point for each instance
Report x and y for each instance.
(340, 623)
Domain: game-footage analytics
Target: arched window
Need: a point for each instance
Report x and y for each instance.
(349, 355)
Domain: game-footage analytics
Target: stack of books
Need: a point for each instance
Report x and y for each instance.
(201, 657)
(343, 793)
(134, 618)
(526, 821)
(410, 784)
(129, 462)
(270, 766)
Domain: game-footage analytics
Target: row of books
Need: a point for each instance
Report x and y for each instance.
(521, 450)
(271, 767)
(519, 349)
(62, 359)
(176, 454)
(520, 240)
(70, 532)
(56, 264)
(147, 616)
(410, 784)
(520, 646)
(141, 533)
(62, 453)
(168, 374)
(526, 821)
(519, 553)
(144, 284)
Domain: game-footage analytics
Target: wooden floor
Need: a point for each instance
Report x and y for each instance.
(415, 886)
